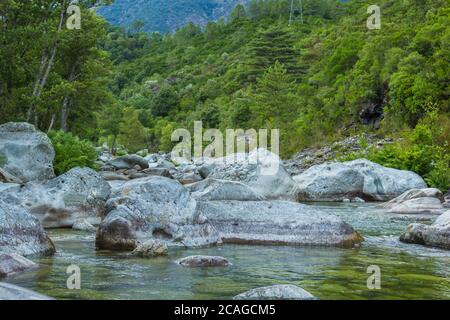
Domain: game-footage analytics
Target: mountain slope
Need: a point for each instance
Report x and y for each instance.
(164, 16)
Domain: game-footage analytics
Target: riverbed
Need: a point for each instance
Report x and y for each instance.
(407, 271)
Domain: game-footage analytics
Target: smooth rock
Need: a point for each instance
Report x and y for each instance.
(329, 182)
(79, 194)
(13, 263)
(129, 162)
(162, 172)
(154, 208)
(83, 225)
(12, 292)
(384, 184)
(21, 232)
(189, 178)
(213, 189)
(435, 235)
(110, 176)
(277, 292)
(417, 201)
(261, 170)
(203, 262)
(25, 153)
(277, 223)
(151, 248)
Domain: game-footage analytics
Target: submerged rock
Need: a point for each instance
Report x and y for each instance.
(79, 194)
(13, 263)
(12, 292)
(21, 232)
(26, 154)
(417, 201)
(203, 261)
(383, 184)
(213, 189)
(329, 182)
(435, 235)
(277, 292)
(151, 248)
(277, 223)
(154, 208)
(261, 170)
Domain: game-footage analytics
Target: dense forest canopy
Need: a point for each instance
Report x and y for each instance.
(317, 81)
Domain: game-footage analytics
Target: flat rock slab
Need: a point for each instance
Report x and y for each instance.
(212, 189)
(12, 292)
(13, 263)
(277, 223)
(203, 261)
(277, 292)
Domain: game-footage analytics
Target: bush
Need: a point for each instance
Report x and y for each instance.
(71, 152)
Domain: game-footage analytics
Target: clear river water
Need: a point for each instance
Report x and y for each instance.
(407, 271)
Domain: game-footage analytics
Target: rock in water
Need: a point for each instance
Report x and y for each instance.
(151, 248)
(329, 182)
(12, 292)
(212, 189)
(79, 194)
(277, 292)
(129, 162)
(154, 208)
(25, 153)
(384, 184)
(83, 225)
(203, 261)
(13, 263)
(435, 235)
(417, 201)
(277, 223)
(261, 170)
(22, 233)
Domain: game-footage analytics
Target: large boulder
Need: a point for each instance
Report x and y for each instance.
(26, 154)
(277, 223)
(13, 263)
(154, 208)
(417, 201)
(276, 292)
(435, 235)
(12, 292)
(21, 232)
(129, 162)
(261, 170)
(213, 189)
(384, 184)
(79, 194)
(329, 182)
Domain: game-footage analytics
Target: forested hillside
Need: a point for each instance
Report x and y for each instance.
(165, 16)
(319, 81)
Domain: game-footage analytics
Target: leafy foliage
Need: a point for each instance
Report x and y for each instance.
(71, 152)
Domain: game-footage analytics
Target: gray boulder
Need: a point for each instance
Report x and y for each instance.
(12, 292)
(383, 184)
(213, 189)
(151, 248)
(277, 292)
(25, 153)
(129, 162)
(21, 232)
(417, 201)
(329, 182)
(277, 223)
(261, 170)
(435, 235)
(13, 263)
(203, 262)
(83, 225)
(79, 194)
(154, 208)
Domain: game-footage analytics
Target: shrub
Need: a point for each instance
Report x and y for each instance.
(71, 152)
